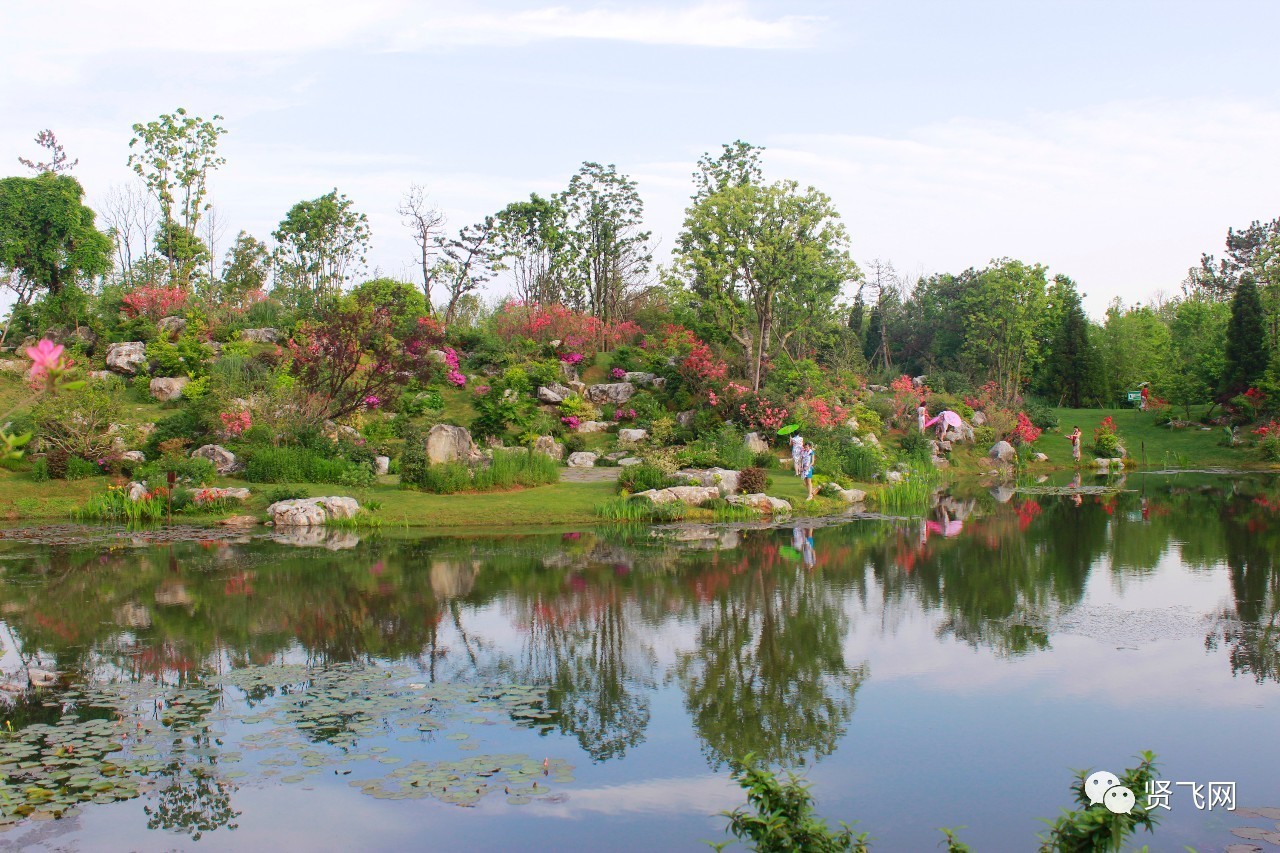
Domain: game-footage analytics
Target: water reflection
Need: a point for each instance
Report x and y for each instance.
(752, 627)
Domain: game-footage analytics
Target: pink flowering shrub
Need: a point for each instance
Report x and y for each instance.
(754, 411)
(455, 376)
(571, 358)
(822, 413)
(624, 414)
(571, 421)
(154, 302)
(576, 331)
(235, 423)
(618, 373)
(697, 363)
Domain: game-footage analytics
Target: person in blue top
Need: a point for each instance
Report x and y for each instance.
(806, 468)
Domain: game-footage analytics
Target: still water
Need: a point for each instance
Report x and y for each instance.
(589, 689)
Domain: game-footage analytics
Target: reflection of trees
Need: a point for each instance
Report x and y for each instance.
(1252, 632)
(192, 801)
(599, 668)
(768, 675)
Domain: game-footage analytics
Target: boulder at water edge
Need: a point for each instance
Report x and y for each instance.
(1003, 451)
(311, 512)
(449, 443)
(128, 358)
(224, 461)
(691, 495)
(722, 478)
(762, 502)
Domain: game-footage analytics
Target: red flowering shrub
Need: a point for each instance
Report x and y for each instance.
(1025, 432)
(906, 396)
(577, 332)
(154, 302)
(354, 351)
(697, 363)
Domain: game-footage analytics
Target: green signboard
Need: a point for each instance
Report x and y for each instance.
(1135, 396)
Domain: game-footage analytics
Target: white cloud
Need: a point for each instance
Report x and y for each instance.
(717, 23)
(1123, 197)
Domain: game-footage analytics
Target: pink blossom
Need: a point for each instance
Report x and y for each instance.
(372, 401)
(46, 357)
(618, 373)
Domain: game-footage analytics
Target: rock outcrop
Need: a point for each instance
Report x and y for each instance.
(128, 358)
(582, 459)
(311, 512)
(449, 443)
(610, 392)
(168, 388)
(224, 461)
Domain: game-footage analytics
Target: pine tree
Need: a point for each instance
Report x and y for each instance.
(1072, 364)
(1246, 340)
(875, 337)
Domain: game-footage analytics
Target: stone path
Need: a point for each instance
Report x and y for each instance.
(589, 475)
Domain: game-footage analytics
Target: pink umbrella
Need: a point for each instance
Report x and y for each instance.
(947, 416)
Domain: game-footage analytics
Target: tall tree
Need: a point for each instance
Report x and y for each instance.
(130, 214)
(1246, 351)
(1001, 315)
(1217, 278)
(466, 262)
(610, 253)
(737, 166)
(323, 242)
(1135, 344)
(425, 221)
(1199, 341)
(47, 235)
(532, 240)
(57, 162)
(245, 269)
(1072, 367)
(746, 249)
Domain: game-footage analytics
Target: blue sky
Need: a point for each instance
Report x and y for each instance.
(1113, 141)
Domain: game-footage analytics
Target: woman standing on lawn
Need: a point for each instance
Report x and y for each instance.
(806, 468)
(1074, 437)
(797, 451)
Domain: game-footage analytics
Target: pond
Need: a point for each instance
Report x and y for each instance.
(590, 688)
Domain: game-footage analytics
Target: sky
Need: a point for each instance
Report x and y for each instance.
(1111, 141)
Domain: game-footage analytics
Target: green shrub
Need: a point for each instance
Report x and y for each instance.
(641, 478)
(860, 461)
(1270, 448)
(413, 460)
(752, 480)
(1106, 445)
(444, 478)
(984, 436)
(764, 460)
(296, 464)
(1041, 415)
(917, 446)
(574, 443)
(186, 357)
(183, 423)
(1095, 827)
(881, 407)
(780, 816)
(79, 469)
(40, 470)
(510, 468)
(195, 470)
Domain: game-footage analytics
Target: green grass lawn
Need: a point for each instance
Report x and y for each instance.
(1188, 447)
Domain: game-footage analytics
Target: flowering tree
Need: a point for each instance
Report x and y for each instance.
(1025, 432)
(50, 373)
(352, 352)
(576, 331)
